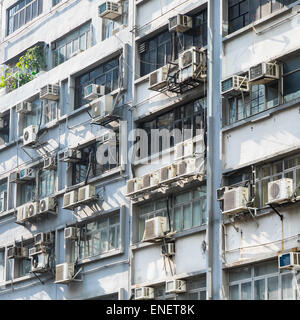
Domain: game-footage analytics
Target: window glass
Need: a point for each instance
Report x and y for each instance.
(246, 291)
(287, 289)
(273, 288)
(2, 265)
(259, 290)
(234, 292)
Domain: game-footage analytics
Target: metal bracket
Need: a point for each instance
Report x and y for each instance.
(276, 211)
(253, 215)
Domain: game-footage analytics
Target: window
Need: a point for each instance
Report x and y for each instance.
(23, 12)
(261, 281)
(26, 192)
(159, 48)
(291, 75)
(47, 183)
(55, 2)
(261, 98)
(4, 128)
(106, 74)
(110, 25)
(195, 290)
(49, 111)
(243, 12)
(2, 265)
(97, 237)
(186, 210)
(68, 46)
(3, 195)
(90, 163)
(190, 116)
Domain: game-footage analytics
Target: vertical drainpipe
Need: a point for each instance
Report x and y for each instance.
(213, 171)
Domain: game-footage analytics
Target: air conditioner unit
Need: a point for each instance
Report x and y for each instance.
(50, 163)
(103, 106)
(70, 200)
(64, 272)
(235, 200)
(86, 193)
(40, 262)
(50, 92)
(30, 135)
(168, 249)
(144, 293)
(175, 286)
(139, 183)
(3, 201)
(110, 10)
(32, 251)
(263, 73)
(131, 186)
(17, 252)
(289, 260)
(184, 149)
(151, 179)
(43, 238)
(22, 214)
(70, 155)
(186, 167)
(192, 65)
(14, 177)
(70, 233)
(47, 205)
(158, 78)
(155, 228)
(27, 174)
(32, 209)
(280, 190)
(24, 107)
(180, 23)
(167, 173)
(234, 85)
(93, 91)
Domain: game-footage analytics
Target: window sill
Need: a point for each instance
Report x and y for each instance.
(7, 213)
(142, 79)
(261, 116)
(7, 145)
(181, 234)
(138, 2)
(259, 22)
(108, 254)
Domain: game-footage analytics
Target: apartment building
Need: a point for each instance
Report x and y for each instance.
(149, 149)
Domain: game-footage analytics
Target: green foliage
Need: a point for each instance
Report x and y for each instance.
(27, 67)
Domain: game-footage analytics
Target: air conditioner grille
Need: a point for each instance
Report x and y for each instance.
(153, 78)
(187, 58)
(229, 200)
(275, 190)
(256, 71)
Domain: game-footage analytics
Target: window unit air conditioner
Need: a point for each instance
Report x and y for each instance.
(24, 107)
(104, 106)
(93, 91)
(280, 190)
(64, 272)
(17, 252)
(263, 73)
(86, 194)
(234, 85)
(40, 262)
(151, 179)
(175, 286)
(235, 200)
(50, 92)
(110, 10)
(47, 205)
(192, 64)
(30, 135)
(50, 163)
(180, 23)
(167, 173)
(144, 293)
(70, 233)
(27, 174)
(3, 201)
(158, 78)
(186, 167)
(70, 155)
(184, 149)
(155, 228)
(32, 209)
(289, 260)
(168, 249)
(43, 239)
(22, 214)
(131, 186)
(14, 177)
(70, 200)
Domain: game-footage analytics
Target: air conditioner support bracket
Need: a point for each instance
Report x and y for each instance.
(253, 215)
(24, 149)
(38, 277)
(276, 211)
(75, 275)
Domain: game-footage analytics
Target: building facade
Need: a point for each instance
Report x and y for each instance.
(143, 153)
